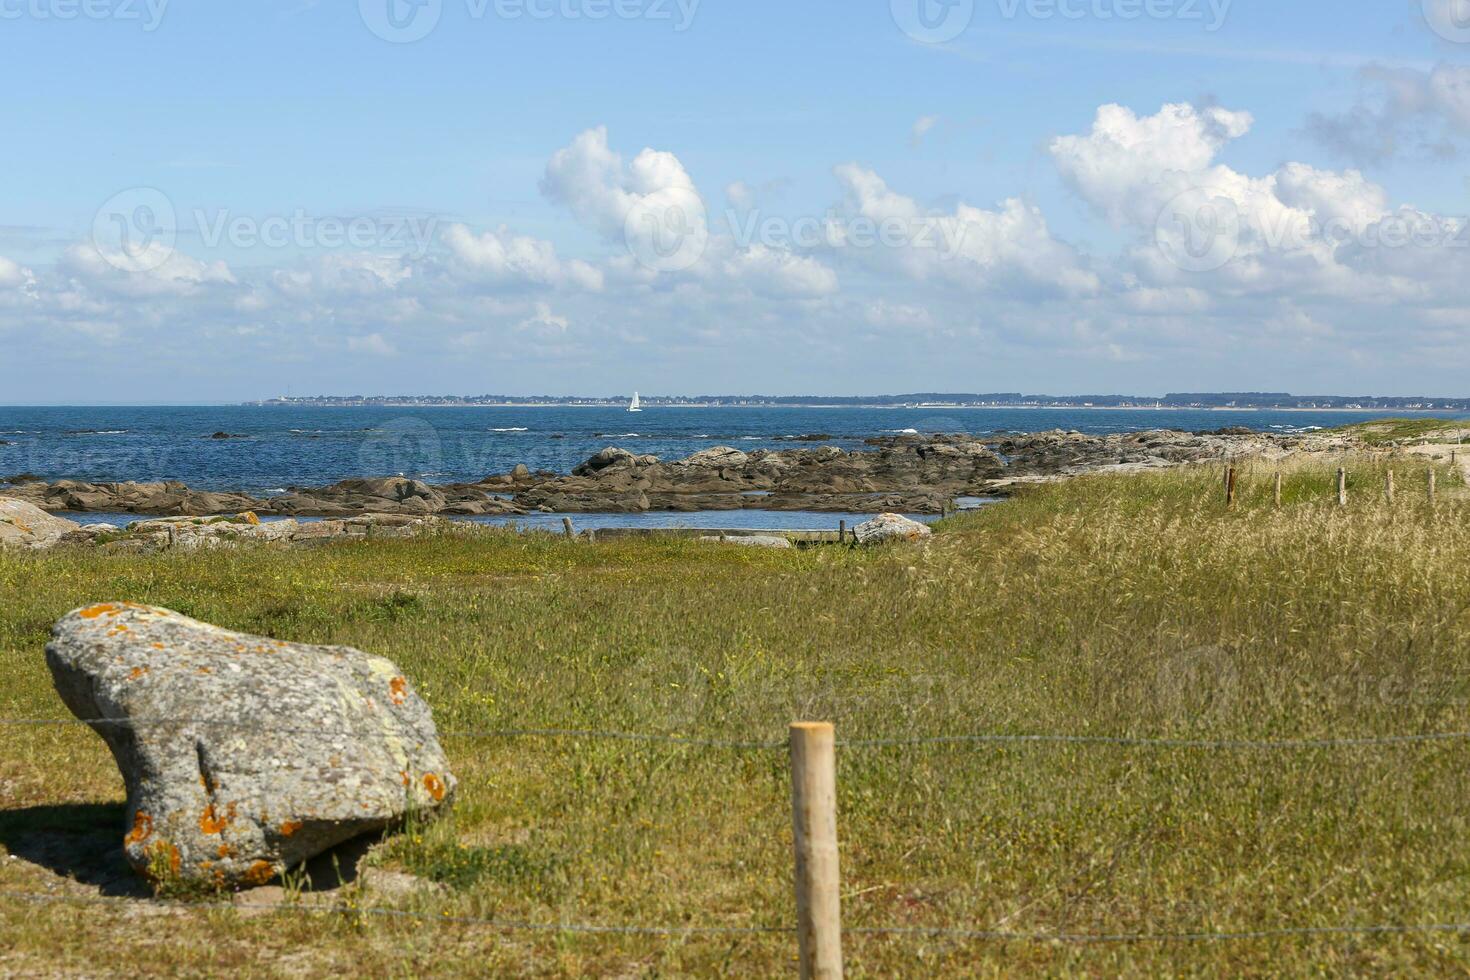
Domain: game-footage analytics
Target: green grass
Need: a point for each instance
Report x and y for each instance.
(1111, 606)
(1381, 431)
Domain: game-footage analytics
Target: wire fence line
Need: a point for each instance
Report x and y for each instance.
(997, 738)
(923, 932)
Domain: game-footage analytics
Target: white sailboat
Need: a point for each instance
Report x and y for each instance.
(636, 405)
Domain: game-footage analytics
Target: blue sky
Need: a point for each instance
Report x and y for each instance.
(496, 170)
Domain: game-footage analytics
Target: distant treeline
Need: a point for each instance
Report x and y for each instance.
(1228, 399)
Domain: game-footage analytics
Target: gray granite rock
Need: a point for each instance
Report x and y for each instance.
(890, 527)
(24, 525)
(243, 756)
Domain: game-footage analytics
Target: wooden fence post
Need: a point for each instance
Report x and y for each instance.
(1276, 494)
(1341, 487)
(842, 532)
(566, 525)
(1388, 486)
(1431, 484)
(1230, 487)
(814, 826)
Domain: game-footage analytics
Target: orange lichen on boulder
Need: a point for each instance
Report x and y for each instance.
(212, 823)
(142, 829)
(398, 690)
(105, 609)
(435, 786)
(259, 873)
(290, 827)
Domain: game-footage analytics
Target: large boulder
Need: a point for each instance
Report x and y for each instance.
(890, 527)
(610, 458)
(24, 525)
(244, 756)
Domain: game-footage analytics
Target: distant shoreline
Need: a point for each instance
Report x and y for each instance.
(653, 407)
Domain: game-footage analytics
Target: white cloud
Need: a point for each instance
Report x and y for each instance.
(601, 191)
(740, 195)
(155, 271)
(544, 322)
(12, 275)
(995, 277)
(1300, 228)
(500, 257)
(921, 128)
(1009, 250)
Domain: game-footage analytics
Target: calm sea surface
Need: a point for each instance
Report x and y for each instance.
(281, 447)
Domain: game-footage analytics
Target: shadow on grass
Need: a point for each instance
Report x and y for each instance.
(80, 841)
(83, 842)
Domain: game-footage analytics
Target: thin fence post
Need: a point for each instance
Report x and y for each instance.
(566, 525)
(1432, 476)
(1230, 487)
(814, 827)
(1341, 487)
(842, 532)
(1388, 486)
(1276, 493)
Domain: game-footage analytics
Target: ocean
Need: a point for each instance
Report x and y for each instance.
(273, 448)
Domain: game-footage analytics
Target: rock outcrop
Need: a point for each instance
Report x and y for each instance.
(908, 473)
(244, 756)
(24, 525)
(193, 533)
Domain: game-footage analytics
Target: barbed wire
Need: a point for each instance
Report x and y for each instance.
(757, 745)
(1158, 937)
(937, 932)
(1173, 743)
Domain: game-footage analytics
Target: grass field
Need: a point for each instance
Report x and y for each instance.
(1128, 606)
(1383, 431)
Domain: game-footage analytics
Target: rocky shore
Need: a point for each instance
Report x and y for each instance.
(910, 473)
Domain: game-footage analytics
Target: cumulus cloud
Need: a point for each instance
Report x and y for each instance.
(602, 192)
(1286, 228)
(1008, 250)
(501, 257)
(653, 208)
(156, 270)
(12, 275)
(1313, 254)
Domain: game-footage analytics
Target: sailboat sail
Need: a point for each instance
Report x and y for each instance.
(636, 406)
